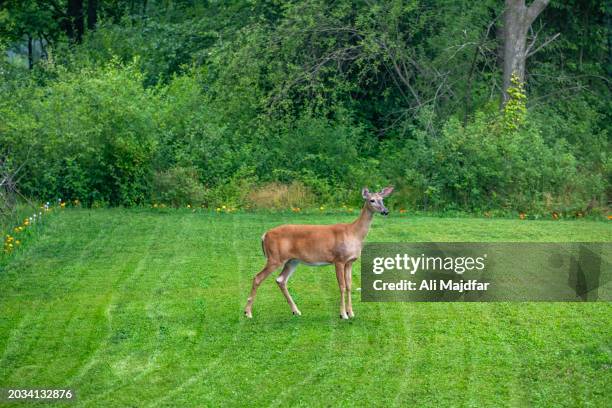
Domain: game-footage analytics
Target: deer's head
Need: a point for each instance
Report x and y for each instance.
(374, 201)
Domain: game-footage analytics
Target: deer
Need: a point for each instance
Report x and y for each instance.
(317, 245)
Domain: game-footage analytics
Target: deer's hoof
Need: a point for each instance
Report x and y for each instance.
(351, 314)
(297, 313)
(248, 315)
(343, 316)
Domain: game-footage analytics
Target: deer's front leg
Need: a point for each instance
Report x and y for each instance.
(342, 286)
(348, 279)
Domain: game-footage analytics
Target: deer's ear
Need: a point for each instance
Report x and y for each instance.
(386, 191)
(365, 193)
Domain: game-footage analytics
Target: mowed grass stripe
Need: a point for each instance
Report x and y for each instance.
(136, 288)
(228, 237)
(175, 299)
(48, 294)
(144, 308)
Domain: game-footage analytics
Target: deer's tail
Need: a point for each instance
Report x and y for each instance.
(263, 245)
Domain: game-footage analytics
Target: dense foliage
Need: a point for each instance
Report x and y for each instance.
(213, 103)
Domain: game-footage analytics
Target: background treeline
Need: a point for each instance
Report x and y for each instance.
(276, 103)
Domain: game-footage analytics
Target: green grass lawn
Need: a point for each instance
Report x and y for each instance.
(144, 308)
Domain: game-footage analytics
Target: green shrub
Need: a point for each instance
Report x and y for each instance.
(322, 154)
(99, 135)
(178, 186)
(89, 135)
(484, 165)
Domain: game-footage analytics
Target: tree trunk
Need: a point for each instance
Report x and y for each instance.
(608, 21)
(43, 46)
(30, 53)
(75, 25)
(92, 14)
(517, 21)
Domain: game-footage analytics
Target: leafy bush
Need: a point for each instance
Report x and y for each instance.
(219, 102)
(90, 135)
(323, 155)
(178, 186)
(484, 165)
(98, 134)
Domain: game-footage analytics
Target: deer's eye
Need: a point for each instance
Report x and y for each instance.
(372, 201)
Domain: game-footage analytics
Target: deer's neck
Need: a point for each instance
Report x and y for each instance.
(361, 225)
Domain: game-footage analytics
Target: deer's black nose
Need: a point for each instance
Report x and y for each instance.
(385, 212)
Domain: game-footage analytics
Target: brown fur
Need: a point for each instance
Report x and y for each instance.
(337, 244)
(311, 243)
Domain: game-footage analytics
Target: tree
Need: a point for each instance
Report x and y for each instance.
(30, 21)
(74, 23)
(518, 19)
(92, 14)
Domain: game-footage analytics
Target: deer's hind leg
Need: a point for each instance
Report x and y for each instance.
(282, 280)
(270, 267)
